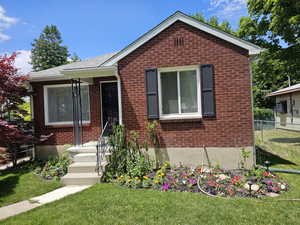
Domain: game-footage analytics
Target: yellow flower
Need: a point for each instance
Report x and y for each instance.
(146, 178)
(156, 182)
(162, 174)
(129, 180)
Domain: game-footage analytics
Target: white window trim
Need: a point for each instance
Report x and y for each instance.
(46, 108)
(180, 115)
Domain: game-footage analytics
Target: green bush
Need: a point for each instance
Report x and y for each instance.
(53, 168)
(263, 114)
(127, 157)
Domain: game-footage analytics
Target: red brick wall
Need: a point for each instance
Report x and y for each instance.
(232, 126)
(64, 134)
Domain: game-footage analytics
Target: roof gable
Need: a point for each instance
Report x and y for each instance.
(179, 16)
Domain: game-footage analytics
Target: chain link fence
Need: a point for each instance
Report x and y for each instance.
(275, 140)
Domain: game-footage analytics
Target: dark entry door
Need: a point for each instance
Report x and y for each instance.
(110, 107)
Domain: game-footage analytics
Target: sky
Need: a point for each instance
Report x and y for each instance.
(94, 27)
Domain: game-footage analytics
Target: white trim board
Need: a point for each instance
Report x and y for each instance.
(101, 102)
(179, 16)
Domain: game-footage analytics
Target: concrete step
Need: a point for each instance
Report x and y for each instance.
(83, 149)
(85, 157)
(84, 167)
(80, 178)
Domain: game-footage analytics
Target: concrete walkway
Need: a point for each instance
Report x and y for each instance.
(24, 206)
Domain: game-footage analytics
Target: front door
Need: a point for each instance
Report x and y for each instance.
(110, 107)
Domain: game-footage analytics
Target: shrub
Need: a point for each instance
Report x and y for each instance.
(53, 168)
(263, 114)
(127, 157)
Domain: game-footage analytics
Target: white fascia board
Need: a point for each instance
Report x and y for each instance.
(46, 78)
(178, 16)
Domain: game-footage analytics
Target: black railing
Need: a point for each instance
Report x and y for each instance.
(102, 149)
(77, 111)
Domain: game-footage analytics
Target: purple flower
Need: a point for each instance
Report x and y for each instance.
(269, 182)
(166, 187)
(192, 181)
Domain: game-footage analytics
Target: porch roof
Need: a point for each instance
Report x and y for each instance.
(291, 89)
(64, 71)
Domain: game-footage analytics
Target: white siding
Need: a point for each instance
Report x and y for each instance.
(287, 120)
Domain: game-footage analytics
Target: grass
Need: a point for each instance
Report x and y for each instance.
(110, 204)
(282, 149)
(20, 184)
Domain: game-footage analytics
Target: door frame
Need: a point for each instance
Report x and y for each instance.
(101, 105)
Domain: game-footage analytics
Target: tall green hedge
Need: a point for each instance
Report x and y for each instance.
(263, 114)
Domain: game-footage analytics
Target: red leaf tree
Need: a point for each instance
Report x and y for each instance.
(12, 93)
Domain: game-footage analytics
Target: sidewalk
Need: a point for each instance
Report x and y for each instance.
(5, 166)
(24, 206)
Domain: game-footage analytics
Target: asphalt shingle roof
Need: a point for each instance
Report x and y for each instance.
(88, 63)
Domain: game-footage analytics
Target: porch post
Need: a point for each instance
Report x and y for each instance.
(77, 112)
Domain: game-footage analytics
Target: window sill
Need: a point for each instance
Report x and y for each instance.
(180, 119)
(65, 125)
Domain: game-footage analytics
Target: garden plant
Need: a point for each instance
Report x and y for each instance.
(131, 167)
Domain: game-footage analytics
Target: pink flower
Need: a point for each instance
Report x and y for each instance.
(166, 187)
(192, 181)
(269, 182)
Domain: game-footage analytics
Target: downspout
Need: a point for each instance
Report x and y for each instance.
(252, 111)
(119, 97)
(291, 107)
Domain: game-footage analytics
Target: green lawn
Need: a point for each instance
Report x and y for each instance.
(282, 149)
(110, 204)
(18, 185)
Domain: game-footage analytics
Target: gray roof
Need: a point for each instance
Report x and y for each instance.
(84, 64)
(287, 90)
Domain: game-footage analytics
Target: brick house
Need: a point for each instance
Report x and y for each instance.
(192, 78)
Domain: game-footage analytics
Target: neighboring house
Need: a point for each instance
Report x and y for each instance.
(287, 111)
(193, 78)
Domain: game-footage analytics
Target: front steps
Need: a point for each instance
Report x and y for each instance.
(83, 169)
(81, 178)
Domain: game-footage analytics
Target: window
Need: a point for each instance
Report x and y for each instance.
(59, 106)
(179, 92)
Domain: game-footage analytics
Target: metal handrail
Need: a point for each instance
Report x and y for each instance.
(102, 148)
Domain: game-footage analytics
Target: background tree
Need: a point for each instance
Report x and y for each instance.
(275, 26)
(47, 51)
(214, 21)
(75, 58)
(12, 93)
(15, 131)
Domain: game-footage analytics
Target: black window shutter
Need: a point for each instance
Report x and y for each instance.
(207, 89)
(152, 93)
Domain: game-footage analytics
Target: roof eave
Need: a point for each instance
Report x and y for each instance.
(283, 92)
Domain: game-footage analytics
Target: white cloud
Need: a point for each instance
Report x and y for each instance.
(228, 8)
(5, 23)
(22, 61)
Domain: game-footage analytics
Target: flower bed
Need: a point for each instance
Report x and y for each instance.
(214, 182)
